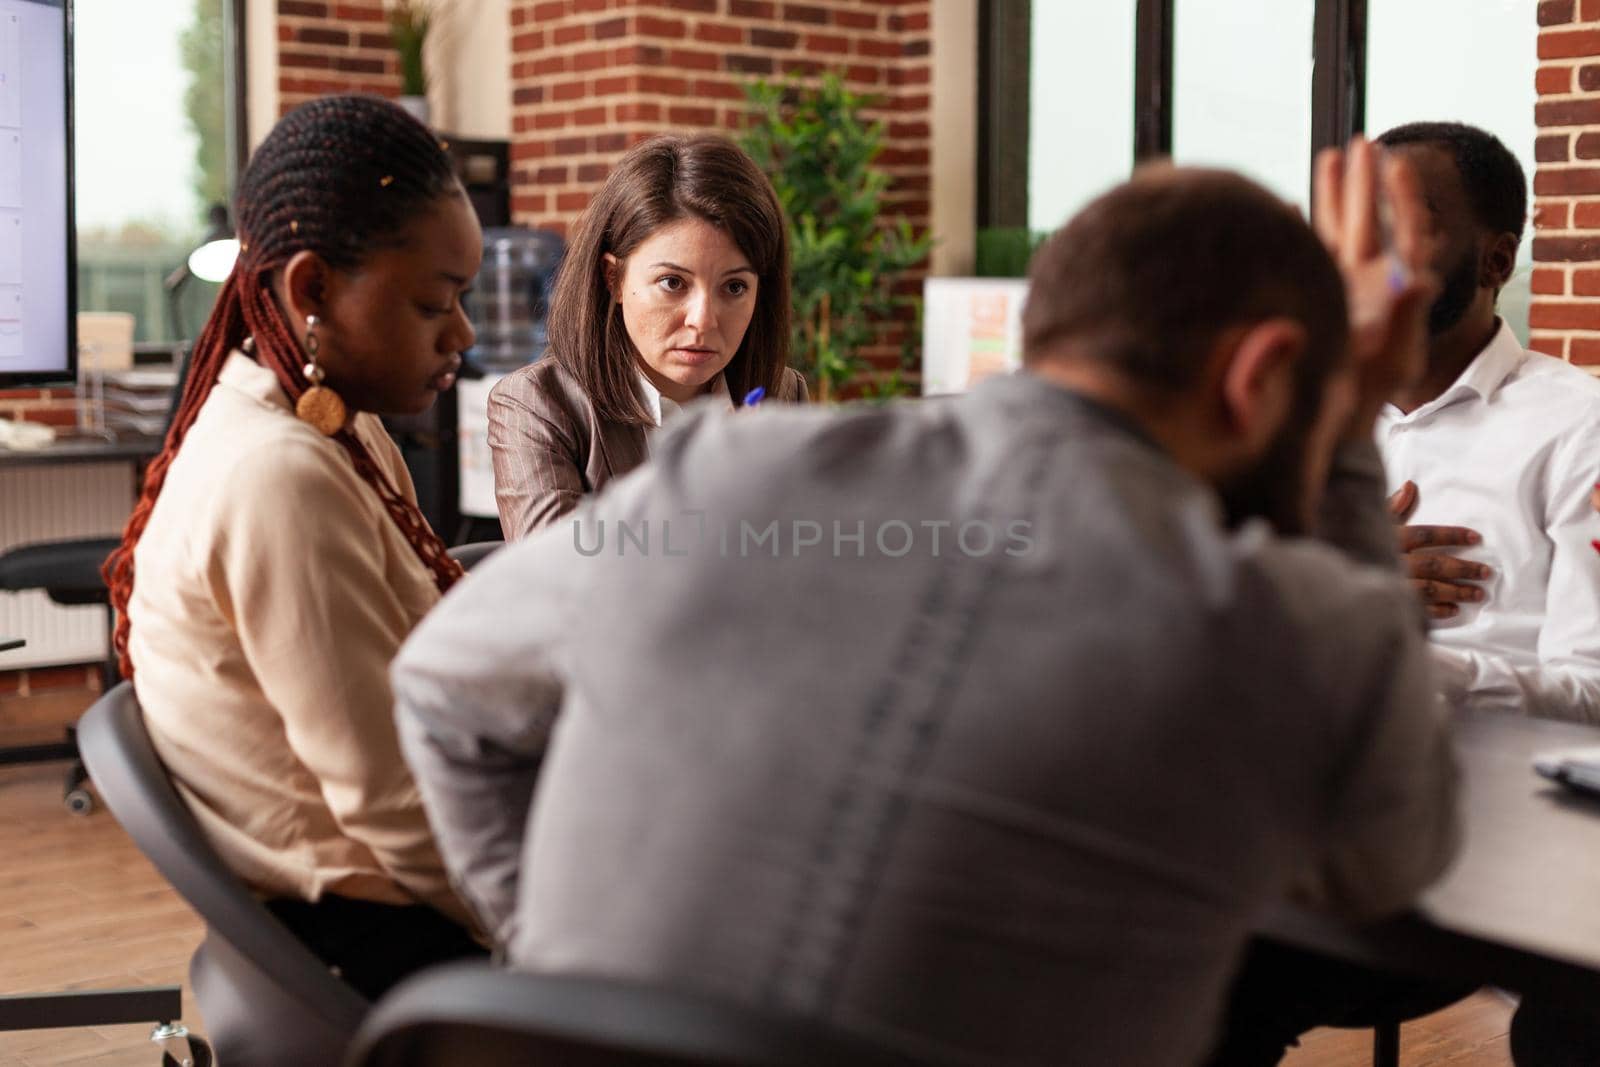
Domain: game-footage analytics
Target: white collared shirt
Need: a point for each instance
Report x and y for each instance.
(1512, 450)
(664, 409)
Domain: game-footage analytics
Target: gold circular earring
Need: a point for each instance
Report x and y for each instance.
(320, 407)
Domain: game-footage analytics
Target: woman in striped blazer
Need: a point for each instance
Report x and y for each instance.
(675, 289)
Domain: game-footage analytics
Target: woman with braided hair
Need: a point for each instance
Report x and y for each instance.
(277, 559)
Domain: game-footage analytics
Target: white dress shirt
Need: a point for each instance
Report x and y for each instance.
(664, 409)
(1512, 450)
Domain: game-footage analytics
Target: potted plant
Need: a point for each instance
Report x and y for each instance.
(410, 21)
(846, 255)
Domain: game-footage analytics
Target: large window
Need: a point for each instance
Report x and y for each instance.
(1426, 62)
(1242, 90)
(1080, 115)
(1257, 87)
(154, 98)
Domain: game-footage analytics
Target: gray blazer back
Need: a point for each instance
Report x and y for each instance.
(1016, 802)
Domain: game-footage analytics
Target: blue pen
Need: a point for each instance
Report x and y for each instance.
(754, 396)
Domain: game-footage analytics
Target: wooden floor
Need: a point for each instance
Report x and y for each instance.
(1469, 1034)
(80, 908)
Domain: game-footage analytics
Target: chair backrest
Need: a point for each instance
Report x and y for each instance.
(472, 1013)
(470, 555)
(68, 571)
(134, 784)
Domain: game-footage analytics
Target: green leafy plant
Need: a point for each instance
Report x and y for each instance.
(410, 21)
(818, 148)
(1005, 252)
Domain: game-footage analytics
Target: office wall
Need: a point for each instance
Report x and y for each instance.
(954, 137)
(470, 54)
(590, 78)
(1565, 316)
(299, 49)
(588, 81)
(261, 67)
(333, 46)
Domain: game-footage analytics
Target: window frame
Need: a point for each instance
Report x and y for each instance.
(1338, 88)
(236, 148)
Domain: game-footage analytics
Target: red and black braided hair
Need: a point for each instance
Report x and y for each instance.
(341, 176)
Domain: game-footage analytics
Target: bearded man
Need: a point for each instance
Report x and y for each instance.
(1019, 794)
(1493, 456)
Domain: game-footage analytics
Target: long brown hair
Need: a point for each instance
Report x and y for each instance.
(341, 176)
(657, 182)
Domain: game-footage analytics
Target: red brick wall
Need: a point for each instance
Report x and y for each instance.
(589, 78)
(58, 407)
(1565, 316)
(592, 77)
(333, 46)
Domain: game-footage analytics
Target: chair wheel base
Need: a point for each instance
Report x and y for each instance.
(180, 1048)
(79, 800)
(200, 1056)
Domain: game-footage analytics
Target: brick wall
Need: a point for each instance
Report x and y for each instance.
(333, 46)
(57, 407)
(1565, 316)
(590, 78)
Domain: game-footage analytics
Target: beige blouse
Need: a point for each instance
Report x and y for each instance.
(271, 591)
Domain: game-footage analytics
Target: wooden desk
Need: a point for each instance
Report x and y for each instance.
(1520, 907)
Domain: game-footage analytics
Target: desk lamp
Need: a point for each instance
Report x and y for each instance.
(212, 261)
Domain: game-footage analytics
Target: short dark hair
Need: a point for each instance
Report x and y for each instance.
(1146, 278)
(659, 181)
(1496, 186)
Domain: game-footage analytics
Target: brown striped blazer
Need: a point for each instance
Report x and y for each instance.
(550, 446)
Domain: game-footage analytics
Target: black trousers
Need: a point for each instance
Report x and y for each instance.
(373, 946)
(1281, 992)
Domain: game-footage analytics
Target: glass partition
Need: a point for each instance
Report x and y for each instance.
(1425, 62)
(1080, 136)
(1242, 90)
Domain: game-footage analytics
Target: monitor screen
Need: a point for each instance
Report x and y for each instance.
(37, 285)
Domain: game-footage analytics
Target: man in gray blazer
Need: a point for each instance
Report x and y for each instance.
(987, 728)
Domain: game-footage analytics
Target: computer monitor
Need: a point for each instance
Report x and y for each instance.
(38, 283)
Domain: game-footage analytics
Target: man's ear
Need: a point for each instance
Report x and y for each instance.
(305, 285)
(1498, 262)
(612, 266)
(1258, 377)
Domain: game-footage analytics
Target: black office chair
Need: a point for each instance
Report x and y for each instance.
(1403, 1000)
(470, 555)
(1386, 1044)
(69, 573)
(267, 1000)
(473, 1014)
